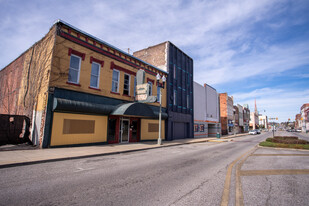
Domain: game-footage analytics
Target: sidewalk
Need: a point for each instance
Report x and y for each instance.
(26, 157)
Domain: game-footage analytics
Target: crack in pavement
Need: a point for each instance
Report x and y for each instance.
(190, 192)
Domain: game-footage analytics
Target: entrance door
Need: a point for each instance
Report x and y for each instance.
(124, 131)
(134, 130)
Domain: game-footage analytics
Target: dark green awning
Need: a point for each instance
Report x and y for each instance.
(130, 109)
(81, 107)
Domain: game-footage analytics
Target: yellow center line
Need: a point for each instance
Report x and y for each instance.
(226, 190)
(273, 172)
(280, 155)
(239, 199)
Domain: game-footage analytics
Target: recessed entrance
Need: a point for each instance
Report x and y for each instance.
(124, 131)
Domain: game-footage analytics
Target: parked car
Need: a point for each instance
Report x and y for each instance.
(258, 131)
(252, 132)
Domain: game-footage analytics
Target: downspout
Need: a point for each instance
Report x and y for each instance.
(33, 139)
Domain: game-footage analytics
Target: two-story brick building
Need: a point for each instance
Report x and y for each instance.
(78, 89)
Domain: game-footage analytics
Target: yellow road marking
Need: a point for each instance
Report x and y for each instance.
(239, 199)
(227, 183)
(280, 155)
(273, 172)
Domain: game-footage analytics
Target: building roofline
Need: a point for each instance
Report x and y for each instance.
(166, 42)
(107, 44)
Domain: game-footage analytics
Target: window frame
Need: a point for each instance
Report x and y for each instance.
(98, 77)
(196, 128)
(175, 71)
(135, 83)
(202, 128)
(79, 66)
(188, 101)
(115, 70)
(175, 97)
(150, 88)
(129, 84)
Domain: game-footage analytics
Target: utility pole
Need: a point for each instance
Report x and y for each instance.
(273, 125)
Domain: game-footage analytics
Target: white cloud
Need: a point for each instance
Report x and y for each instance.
(221, 36)
(278, 102)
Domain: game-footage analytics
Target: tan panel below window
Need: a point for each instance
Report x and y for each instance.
(153, 127)
(74, 126)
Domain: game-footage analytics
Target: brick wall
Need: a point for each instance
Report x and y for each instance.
(10, 79)
(223, 112)
(154, 55)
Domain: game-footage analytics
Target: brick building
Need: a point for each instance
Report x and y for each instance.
(226, 113)
(179, 66)
(78, 89)
(298, 122)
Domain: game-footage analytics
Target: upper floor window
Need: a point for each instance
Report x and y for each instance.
(126, 84)
(188, 101)
(175, 97)
(174, 71)
(95, 75)
(135, 83)
(115, 81)
(150, 88)
(74, 70)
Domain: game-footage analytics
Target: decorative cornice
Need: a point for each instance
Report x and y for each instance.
(99, 47)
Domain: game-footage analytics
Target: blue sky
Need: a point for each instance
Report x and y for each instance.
(250, 49)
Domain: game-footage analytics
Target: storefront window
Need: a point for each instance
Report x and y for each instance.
(196, 127)
(201, 128)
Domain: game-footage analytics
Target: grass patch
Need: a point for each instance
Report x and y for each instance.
(286, 142)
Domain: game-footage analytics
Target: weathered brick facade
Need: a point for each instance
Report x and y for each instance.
(226, 113)
(10, 78)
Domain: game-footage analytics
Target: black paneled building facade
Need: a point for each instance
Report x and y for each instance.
(168, 57)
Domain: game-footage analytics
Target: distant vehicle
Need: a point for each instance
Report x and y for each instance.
(258, 131)
(252, 132)
(299, 130)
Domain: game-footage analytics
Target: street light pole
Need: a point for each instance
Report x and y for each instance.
(159, 138)
(160, 100)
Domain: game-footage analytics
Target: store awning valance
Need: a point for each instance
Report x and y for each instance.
(81, 107)
(127, 109)
(134, 109)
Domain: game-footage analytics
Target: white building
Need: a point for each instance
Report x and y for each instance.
(206, 111)
(254, 118)
(263, 121)
(304, 111)
(240, 118)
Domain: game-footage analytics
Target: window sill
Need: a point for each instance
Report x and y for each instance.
(126, 95)
(74, 84)
(115, 93)
(94, 88)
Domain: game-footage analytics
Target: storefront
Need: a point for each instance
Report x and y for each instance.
(102, 120)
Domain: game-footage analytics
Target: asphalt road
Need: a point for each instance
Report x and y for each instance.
(193, 174)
